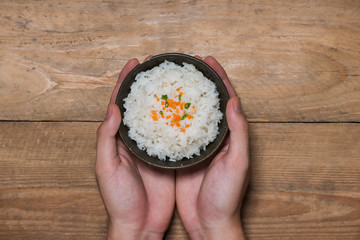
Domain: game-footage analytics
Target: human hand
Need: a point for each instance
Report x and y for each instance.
(139, 199)
(209, 196)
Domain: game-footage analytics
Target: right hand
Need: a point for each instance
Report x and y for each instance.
(209, 196)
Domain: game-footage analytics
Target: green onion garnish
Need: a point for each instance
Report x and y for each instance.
(184, 116)
(187, 105)
(166, 104)
(161, 113)
(164, 97)
(180, 97)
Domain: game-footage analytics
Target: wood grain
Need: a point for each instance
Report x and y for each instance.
(305, 182)
(290, 61)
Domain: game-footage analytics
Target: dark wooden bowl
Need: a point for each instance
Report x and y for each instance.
(208, 72)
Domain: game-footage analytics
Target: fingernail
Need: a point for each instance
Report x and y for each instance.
(237, 105)
(148, 58)
(109, 112)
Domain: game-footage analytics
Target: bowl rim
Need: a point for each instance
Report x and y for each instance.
(222, 136)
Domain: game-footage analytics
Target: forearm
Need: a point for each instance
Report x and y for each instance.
(118, 232)
(230, 231)
(236, 233)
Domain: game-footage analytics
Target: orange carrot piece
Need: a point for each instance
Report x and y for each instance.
(155, 117)
(176, 118)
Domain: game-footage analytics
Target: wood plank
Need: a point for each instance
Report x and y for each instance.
(289, 61)
(305, 182)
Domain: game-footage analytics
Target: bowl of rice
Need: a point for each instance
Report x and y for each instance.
(173, 111)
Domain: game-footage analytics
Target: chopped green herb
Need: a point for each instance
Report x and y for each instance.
(184, 116)
(187, 105)
(166, 104)
(164, 97)
(180, 98)
(161, 113)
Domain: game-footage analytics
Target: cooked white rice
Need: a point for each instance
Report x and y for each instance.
(162, 136)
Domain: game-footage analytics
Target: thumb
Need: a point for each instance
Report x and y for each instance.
(106, 148)
(238, 153)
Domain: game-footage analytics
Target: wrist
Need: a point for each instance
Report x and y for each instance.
(116, 232)
(232, 230)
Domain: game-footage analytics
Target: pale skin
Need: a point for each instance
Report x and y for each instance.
(140, 199)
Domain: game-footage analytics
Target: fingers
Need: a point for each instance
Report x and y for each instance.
(221, 72)
(124, 72)
(106, 150)
(148, 57)
(238, 153)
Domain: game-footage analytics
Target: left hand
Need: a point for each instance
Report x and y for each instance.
(139, 198)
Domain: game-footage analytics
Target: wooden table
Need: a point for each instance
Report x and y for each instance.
(295, 65)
